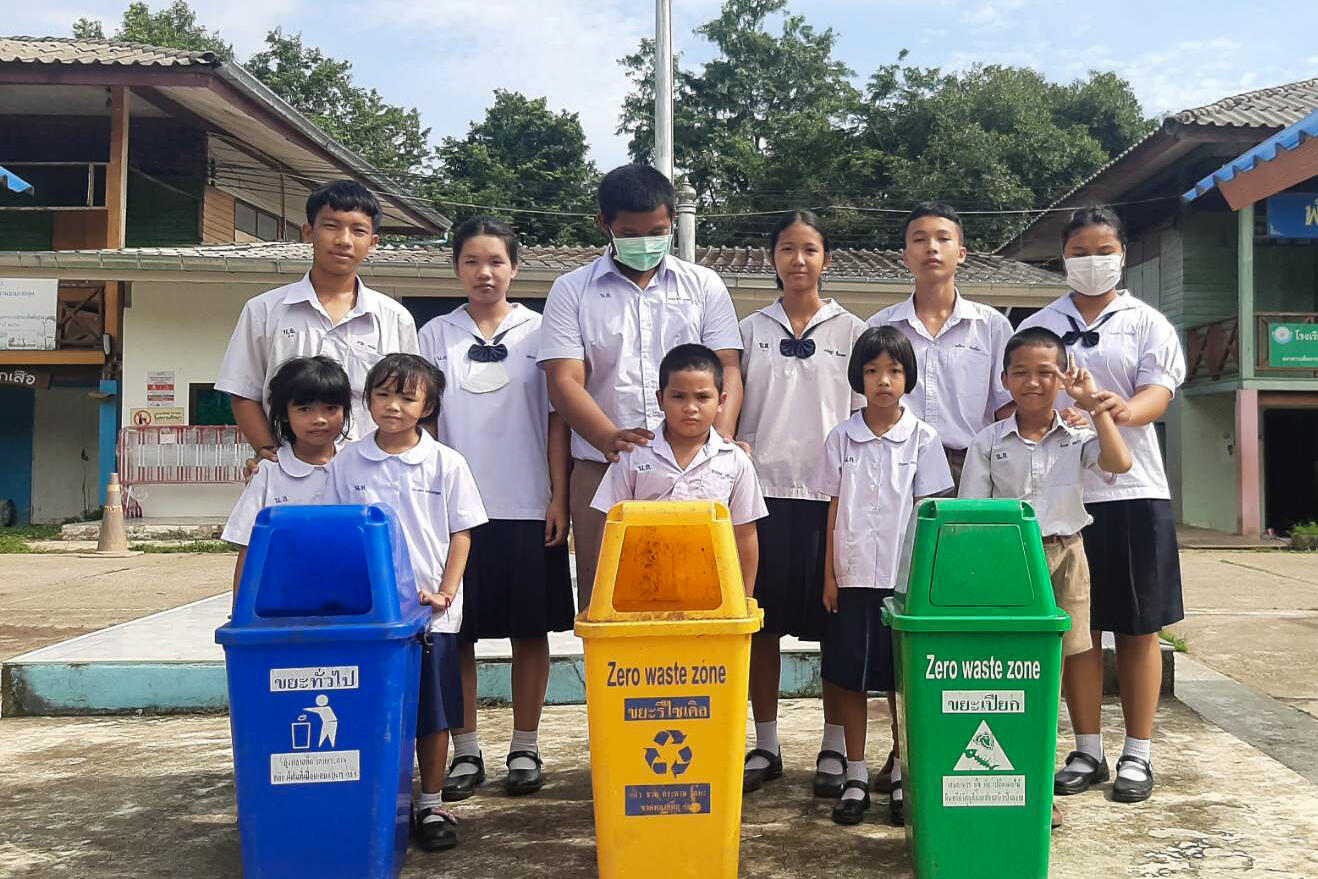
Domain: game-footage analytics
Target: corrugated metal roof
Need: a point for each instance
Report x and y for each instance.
(68, 50)
(1265, 152)
(863, 265)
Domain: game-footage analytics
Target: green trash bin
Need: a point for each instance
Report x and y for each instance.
(978, 648)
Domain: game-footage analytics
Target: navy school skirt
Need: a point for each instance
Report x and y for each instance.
(515, 586)
(789, 582)
(856, 653)
(1134, 566)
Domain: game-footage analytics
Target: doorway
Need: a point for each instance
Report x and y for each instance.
(1290, 467)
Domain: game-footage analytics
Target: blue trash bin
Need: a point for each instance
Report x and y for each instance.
(323, 655)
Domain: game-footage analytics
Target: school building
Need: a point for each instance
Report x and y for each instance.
(1221, 206)
(131, 146)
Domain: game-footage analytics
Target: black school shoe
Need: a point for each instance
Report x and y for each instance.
(519, 782)
(460, 787)
(754, 779)
(1067, 782)
(852, 811)
(434, 836)
(1129, 790)
(897, 806)
(829, 784)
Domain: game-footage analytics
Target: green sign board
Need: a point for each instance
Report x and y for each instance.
(1293, 345)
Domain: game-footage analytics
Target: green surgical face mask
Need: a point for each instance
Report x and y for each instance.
(642, 254)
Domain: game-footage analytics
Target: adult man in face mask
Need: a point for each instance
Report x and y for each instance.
(607, 326)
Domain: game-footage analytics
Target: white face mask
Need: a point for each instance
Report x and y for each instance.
(1094, 275)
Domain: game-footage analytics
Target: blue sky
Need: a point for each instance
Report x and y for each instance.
(446, 57)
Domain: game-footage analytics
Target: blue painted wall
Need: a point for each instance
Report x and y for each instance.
(16, 406)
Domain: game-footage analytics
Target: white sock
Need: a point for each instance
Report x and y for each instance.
(430, 801)
(1142, 748)
(857, 770)
(766, 738)
(1089, 744)
(524, 740)
(833, 740)
(896, 779)
(464, 745)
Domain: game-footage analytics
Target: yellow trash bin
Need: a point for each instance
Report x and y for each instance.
(667, 647)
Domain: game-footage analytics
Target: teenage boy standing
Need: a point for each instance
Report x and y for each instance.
(329, 311)
(606, 328)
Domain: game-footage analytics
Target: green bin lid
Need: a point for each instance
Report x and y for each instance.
(975, 565)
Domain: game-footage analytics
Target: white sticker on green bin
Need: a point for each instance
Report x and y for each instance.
(983, 753)
(983, 701)
(983, 790)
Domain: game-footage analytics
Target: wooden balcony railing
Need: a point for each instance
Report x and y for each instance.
(1212, 350)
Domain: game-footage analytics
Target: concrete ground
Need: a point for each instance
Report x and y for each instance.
(153, 797)
(47, 598)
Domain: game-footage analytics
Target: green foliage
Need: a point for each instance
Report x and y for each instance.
(189, 546)
(521, 155)
(174, 27)
(15, 540)
(774, 122)
(389, 137)
(1305, 529)
(1179, 644)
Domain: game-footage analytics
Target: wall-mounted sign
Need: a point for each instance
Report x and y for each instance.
(1293, 345)
(160, 387)
(18, 377)
(27, 313)
(1293, 215)
(159, 417)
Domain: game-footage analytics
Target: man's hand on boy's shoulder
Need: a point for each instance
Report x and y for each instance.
(625, 440)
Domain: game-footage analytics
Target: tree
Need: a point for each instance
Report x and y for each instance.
(389, 137)
(522, 155)
(774, 122)
(173, 27)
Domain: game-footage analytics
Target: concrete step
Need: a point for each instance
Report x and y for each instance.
(146, 529)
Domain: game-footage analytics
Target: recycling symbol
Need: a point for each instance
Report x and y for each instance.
(671, 753)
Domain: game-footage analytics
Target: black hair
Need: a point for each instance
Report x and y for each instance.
(786, 221)
(934, 209)
(635, 189)
(692, 357)
(1094, 215)
(876, 341)
(343, 195)
(406, 371)
(485, 225)
(304, 380)
(1034, 337)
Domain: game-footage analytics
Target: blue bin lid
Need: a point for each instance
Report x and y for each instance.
(325, 573)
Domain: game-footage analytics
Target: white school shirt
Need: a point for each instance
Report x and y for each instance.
(432, 491)
(791, 403)
(876, 480)
(959, 386)
(286, 480)
(597, 315)
(289, 322)
(1048, 474)
(1137, 347)
(720, 471)
(503, 434)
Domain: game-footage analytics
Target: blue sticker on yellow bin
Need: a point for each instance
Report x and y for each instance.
(670, 708)
(645, 800)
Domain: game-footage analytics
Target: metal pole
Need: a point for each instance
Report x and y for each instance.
(686, 222)
(663, 87)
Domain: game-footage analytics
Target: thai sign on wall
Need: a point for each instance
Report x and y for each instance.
(27, 313)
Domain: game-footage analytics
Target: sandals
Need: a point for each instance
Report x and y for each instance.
(519, 782)
(1067, 781)
(438, 834)
(1130, 790)
(853, 810)
(754, 779)
(459, 787)
(829, 784)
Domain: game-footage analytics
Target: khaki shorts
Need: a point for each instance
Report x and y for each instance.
(956, 461)
(1070, 575)
(587, 524)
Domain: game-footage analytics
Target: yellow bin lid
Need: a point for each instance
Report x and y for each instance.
(668, 568)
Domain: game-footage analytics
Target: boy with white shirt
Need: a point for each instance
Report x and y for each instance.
(958, 343)
(687, 459)
(1036, 456)
(607, 326)
(329, 311)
